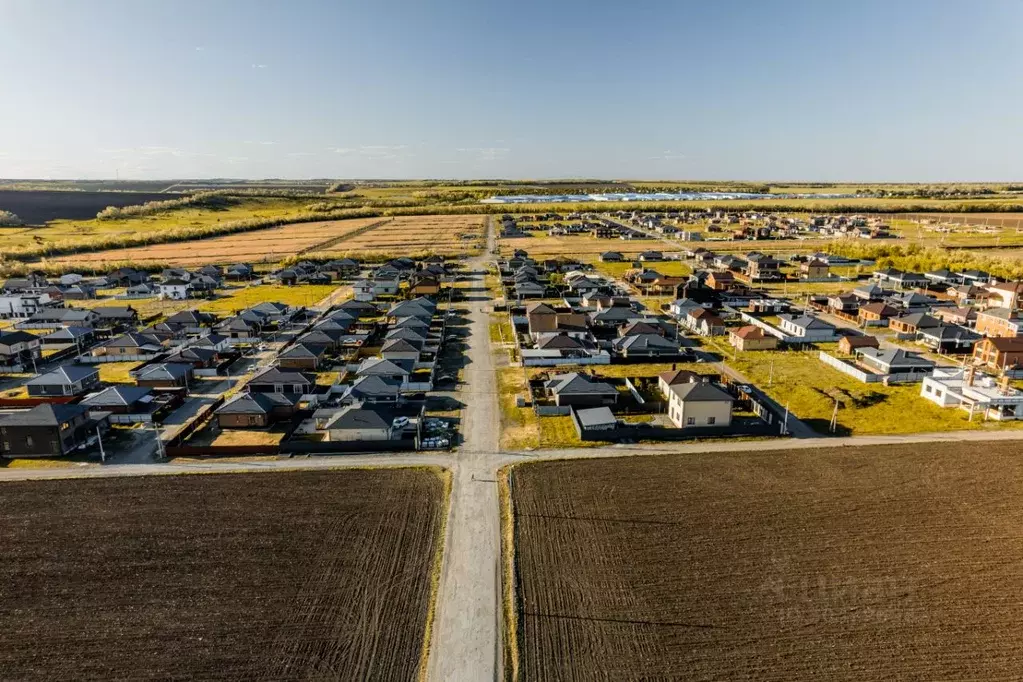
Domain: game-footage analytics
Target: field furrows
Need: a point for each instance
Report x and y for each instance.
(314, 575)
(860, 564)
(259, 245)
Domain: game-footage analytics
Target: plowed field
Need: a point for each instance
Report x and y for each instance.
(282, 576)
(415, 235)
(888, 563)
(268, 245)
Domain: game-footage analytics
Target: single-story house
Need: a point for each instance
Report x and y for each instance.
(255, 410)
(751, 337)
(575, 388)
(67, 380)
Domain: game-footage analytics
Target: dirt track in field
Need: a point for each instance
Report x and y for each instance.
(893, 563)
(312, 575)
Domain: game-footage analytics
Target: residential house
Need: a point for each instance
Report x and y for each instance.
(361, 423)
(848, 345)
(1006, 295)
(255, 410)
(277, 380)
(164, 375)
(998, 353)
(704, 322)
(806, 328)
(911, 324)
(19, 348)
(964, 316)
(612, 257)
(596, 419)
(958, 387)
(876, 313)
(23, 305)
(943, 276)
(196, 356)
(761, 267)
(47, 430)
(579, 389)
(68, 380)
(394, 370)
(64, 317)
(844, 303)
(999, 321)
(814, 269)
(240, 272)
(721, 281)
(190, 321)
(302, 355)
(665, 380)
(645, 346)
(651, 256)
(424, 285)
(948, 338)
(121, 400)
(893, 361)
(373, 390)
(132, 343)
(871, 292)
(174, 289)
(699, 404)
(81, 337)
(750, 338)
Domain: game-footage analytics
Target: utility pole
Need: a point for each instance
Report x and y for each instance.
(834, 417)
(770, 377)
(785, 421)
(159, 441)
(102, 453)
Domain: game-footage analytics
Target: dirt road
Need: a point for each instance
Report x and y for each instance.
(466, 636)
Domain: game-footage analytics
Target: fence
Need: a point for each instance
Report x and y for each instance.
(847, 368)
(737, 428)
(100, 359)
(871, 377)
(533, 358)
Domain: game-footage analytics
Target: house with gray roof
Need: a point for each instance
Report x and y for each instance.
(68, 380)
(577, 389)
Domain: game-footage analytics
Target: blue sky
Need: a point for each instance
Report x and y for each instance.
(911, 90)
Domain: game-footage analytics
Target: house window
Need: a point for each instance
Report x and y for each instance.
(278, 388)
(297, 388)
(690, 421)
(29, 442)
(711, 420)
(927, 389)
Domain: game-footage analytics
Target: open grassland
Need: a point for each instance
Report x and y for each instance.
(799, 380)
(269, 245)
(311, 575)
(444, 235)
(894, 562)
(96, 232)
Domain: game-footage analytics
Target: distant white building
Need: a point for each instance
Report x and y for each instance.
(23, 305)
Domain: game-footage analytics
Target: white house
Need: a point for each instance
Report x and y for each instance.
(175, 289)
(699, 404)
(23, 305)
(806, 329)
(977, 394)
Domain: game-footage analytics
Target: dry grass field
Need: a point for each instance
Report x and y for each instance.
(283, 576)
(885, 563)
(267, 245)
(445, 235)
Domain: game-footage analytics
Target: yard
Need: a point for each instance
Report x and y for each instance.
(521, 429)
(809, 388)
(116, 372)
(233, 300)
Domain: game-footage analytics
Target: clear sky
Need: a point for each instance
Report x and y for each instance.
(892, 90)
